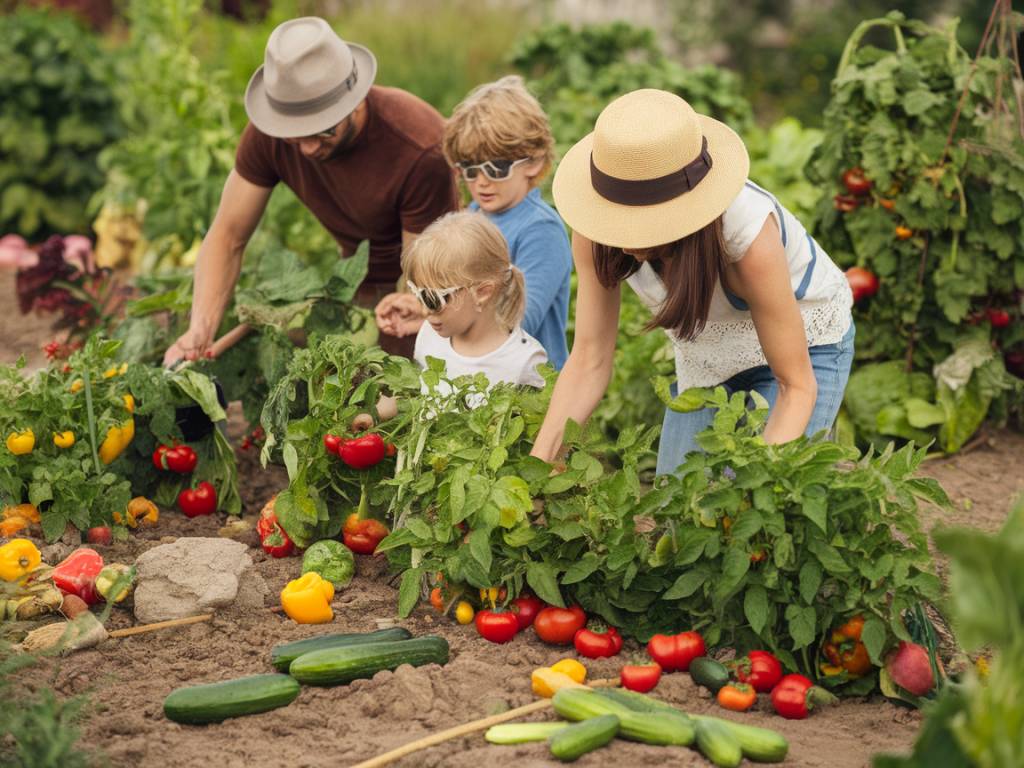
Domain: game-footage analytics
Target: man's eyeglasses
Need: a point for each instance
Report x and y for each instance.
(495, 170)
(434, 299)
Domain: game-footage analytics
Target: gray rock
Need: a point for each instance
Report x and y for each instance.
(194, 576)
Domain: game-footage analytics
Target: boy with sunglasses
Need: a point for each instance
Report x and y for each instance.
(499, 140)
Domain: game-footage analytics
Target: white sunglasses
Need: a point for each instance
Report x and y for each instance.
(434, 299)
(495, 170)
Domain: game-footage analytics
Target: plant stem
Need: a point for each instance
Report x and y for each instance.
(92, 419)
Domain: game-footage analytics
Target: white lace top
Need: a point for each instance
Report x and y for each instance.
(729, 344)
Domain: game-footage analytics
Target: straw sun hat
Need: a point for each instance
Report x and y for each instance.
(310, 80)
(652, 172)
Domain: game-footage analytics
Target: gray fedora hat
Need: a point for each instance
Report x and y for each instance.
(310, 80)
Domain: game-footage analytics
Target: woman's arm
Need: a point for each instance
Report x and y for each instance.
(761, 278)
(584, 379)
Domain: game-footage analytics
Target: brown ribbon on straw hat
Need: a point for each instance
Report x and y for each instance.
(310, 80)
(652, 172)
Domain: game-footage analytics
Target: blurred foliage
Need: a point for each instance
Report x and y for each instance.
(55, 88)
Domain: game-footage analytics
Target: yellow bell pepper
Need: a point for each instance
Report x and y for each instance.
(307, 599)
(546, 682)
(26, 511)
(21, 443)
(64, 439)
(76, 386)
(110, 372)
(129, 403)
(572, 668)
(117, 440)
(18, 558)
(140, 510)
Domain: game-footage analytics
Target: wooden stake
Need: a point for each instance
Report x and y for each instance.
(467, 728)
(143, 628)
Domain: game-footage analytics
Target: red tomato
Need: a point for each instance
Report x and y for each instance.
(863, 282)
(640, 677)
(496, 626)
(362, 452)
(526, 608)
(675, 652)
(558, 626)
(760, 669)
(363, 535)
(738, 698)
(856, 182)
(845, 203)
(597, 645)
(201, 500)
(790, 697)
(998, 318)
(99, 535)
(332, 443)
(390, 449)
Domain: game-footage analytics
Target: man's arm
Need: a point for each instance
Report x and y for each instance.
(219, 263)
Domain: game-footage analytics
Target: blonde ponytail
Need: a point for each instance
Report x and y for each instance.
(510, 299)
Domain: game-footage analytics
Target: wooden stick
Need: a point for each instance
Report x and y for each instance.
(142, 629)
(467, 728)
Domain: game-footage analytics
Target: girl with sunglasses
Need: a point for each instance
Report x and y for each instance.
(473, 299)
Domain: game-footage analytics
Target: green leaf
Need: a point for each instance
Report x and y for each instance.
(748, 523)
(420, 529)
(542, 580)
(873, 636)
(409, 591)
(810, 580)
(686, 584)
(802, 621)
(815, 503)
(480, 547)
(582, 568)
(828, 556)
(755, 607)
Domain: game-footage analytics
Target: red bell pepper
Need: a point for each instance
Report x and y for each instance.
(201, 500)
(273, 539)
(795, 696)
(362, 452)
(558, 626)
(675, 652)
(526, 608)
(76, 574)
(597, 645)
(640, 677)
(496, 626)
(361, 533)
(760, 669)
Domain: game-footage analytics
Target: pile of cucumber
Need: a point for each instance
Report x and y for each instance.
(599, 715)
(325, 660)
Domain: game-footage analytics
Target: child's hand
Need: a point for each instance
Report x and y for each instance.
(361, 423)
(399, 314)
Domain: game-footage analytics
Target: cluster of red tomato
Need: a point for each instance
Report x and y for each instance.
(193, 501)
(359, 452)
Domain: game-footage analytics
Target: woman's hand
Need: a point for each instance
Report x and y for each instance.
(399, 314)
(761, 278)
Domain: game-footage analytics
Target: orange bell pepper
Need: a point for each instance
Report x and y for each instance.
(845, 651)
(28, 512)
(307, 599)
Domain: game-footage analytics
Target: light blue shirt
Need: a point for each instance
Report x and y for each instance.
(539, 247)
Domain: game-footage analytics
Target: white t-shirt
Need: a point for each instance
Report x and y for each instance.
(729, 344)
(514, 362)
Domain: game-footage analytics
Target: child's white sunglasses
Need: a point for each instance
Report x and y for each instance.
(434, 299)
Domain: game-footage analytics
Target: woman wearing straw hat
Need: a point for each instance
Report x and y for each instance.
(658, 196)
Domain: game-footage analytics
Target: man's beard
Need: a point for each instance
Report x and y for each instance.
(348, 137)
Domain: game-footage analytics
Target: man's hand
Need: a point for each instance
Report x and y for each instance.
(191, 345)
(399, 314)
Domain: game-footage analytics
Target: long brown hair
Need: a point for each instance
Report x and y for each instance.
(690, 268)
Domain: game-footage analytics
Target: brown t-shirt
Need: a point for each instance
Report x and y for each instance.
(393, 178)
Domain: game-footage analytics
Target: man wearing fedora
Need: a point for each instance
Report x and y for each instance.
(366, 160)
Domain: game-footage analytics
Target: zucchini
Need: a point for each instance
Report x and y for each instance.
(579, 738)
(214, 702)
(709, 673)
(283, 655)
(523, 733)
(718, 744)
(335, 666)
(660, 728)
(761, 745)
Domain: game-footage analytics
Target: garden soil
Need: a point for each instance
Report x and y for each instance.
(127, 679)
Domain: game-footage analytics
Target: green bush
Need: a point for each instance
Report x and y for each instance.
(58, 113)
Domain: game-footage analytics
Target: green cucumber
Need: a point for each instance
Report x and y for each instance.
(661, 728)
(523, 733)
(281, 656)
(214, 702)
(579, 738)
(718, 743)
(336, 666)
(709, 673)
(761, 745)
